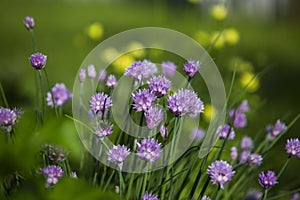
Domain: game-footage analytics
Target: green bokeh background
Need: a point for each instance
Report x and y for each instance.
(270, 44)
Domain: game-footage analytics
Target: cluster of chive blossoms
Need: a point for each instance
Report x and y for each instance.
(184, 102)
(9, 118)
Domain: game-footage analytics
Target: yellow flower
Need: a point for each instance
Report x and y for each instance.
(136, 53)
(231, 36)
(219, 12)
(123, 62)
(95, 31)
(249, 81)
(217, 39)
(202, 37)
(209, 112)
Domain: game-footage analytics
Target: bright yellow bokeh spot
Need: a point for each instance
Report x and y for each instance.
(231, 36)
(123, 62)
(109, 54)
(241, 65)
(217, 39)
(249, 81)
(219, 12)
(202, 37)
(209, 112)
(95, 31)
(136, 53)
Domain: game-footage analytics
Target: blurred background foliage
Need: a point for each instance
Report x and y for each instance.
(256, 37)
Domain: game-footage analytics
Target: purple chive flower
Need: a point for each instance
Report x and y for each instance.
(223, 131)
(255, 159)
(61, 95)
(29, 23)
(38, 61)
(168, 68)
(198, 134)
(164, 132)
(92, 71)
(246, 143)
(233, 153)
(244, 156)
(267, 180)
(149, 149)
(292, 147)
(143, 100)
(55, 153)
(243, 107)
(191, 67)
(149, 196)
(141, 70)
(274, 130)
(9, 118)
(82, 75)
(159, 85)
(52, 174)
(102, 75)
(238, 118)
(154, 117)
(253, 194)
(103, 129)
(100, 103)
(118, 154)
(220, 173)
(111, 81)
(73, 175)
(295, 196)
(185, 102)
(205, 198)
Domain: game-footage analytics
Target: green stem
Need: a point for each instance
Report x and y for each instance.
(33, 40)
(3, 95)
(108, 181)
(121, 183)
(50, 90)
(265, 195)
(145, 181)
(283, 167)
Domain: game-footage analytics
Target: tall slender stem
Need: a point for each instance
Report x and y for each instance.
(3, 95)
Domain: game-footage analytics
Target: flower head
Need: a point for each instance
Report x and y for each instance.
(292, 147)
(246, 143)
(9, 118)
(243, 107)
(154, 117)
(82, 75)
(38, 61)
(185, 102)
(295, 196)
(143, 100)
(164, 131)
(92, 71)
(267, 180)
(61, 95)
(223, 131)
(244, 156)
(233, 153)
(198, 134)
(55, 153)
(159, 85)
(220, 173)
(238, 118)
(52, 174)
(191, 67)
(141, 70)
(118, 154)
(29, 23)
(255, 159)
(111, 81)
(149, 149)
(274, 130)
(102, 75)
(103, 129)
(253, 194)
(168, 68)
(100, 103)
(205, 198)
(149, 196)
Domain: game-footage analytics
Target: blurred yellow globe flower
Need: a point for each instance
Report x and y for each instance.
(209, 113)
(218, 39)
(240, 65)
(231, 36)
(202, 37)
(249, 81)
(123, 62)
(95, 31)
(109, 54)
(219, 12)
(136, 53)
